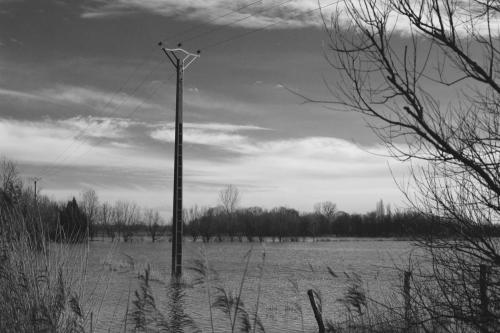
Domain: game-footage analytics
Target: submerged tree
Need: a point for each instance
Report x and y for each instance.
(425, 75)
(152, 219)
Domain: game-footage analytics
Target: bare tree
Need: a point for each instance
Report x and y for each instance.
(379, 210)
(192, 218)
(396, 61)
(89, 202)
(229, 197)
(324, 216)
(152, 219)
(10, 182)
(326, 208)
(124, 215)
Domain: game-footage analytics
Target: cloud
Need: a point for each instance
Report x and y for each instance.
(298, 172)
(311, 156)
(230, 138)
(269, 172)
(96, 99)
(104, 141)
(96, 127)
(18, 94)
(222, 136)
(73, 142)
(89, 98)
(276, 14)
(280, 14)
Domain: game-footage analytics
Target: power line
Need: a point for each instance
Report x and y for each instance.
(255, 30)
(209, 46)
(236, 21)
(195, 27)
(137, 108)
(56, 168)
(82, 132)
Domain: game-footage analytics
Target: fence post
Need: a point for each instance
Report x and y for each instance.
(483, 295)
(91, 322)
(317, 314)
(407, 297)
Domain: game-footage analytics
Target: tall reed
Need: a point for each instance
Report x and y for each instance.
(40, 285)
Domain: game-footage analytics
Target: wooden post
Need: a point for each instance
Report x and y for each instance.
(317, 314)
(91, 322)
(407, 297)
(483, 296)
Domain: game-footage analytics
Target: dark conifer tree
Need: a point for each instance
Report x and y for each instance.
(73, 222)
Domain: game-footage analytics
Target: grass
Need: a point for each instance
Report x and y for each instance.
(40, 285)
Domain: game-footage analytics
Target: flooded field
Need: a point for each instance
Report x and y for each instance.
(290, 269)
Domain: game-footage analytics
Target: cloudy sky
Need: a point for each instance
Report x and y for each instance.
(87, 99)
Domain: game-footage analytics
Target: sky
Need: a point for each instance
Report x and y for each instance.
(87, 100)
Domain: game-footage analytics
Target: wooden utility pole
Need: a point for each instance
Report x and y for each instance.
(180, 59)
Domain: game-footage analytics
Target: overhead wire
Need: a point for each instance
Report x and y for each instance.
(195, 27)
(84, 130)
(255, 30)
(209, 46)
(99, 141)
(235, 21)
(120, 90)
(117, 92)
(76, 140)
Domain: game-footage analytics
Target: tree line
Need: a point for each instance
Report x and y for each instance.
(281, 224)
(85, 217)
(81, 218)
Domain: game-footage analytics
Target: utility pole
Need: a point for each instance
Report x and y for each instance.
(35, 181)
(180, 59)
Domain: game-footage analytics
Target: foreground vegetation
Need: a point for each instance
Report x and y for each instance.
(397, 82)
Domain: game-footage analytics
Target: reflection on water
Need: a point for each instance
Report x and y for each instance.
(278, 291)
(180, 321)
(148, 314)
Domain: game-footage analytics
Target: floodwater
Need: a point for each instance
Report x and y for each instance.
(289, 270)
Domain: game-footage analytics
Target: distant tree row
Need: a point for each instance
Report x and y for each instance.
(73, 221)
(85, 218)
(286, 224)
(21, 210)
(226, 221)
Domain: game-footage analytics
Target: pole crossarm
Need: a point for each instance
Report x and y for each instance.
(186, 58)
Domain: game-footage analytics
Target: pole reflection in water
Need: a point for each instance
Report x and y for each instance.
(179, 320)
(149, 315)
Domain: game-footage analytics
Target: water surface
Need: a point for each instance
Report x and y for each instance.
(290, 269)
